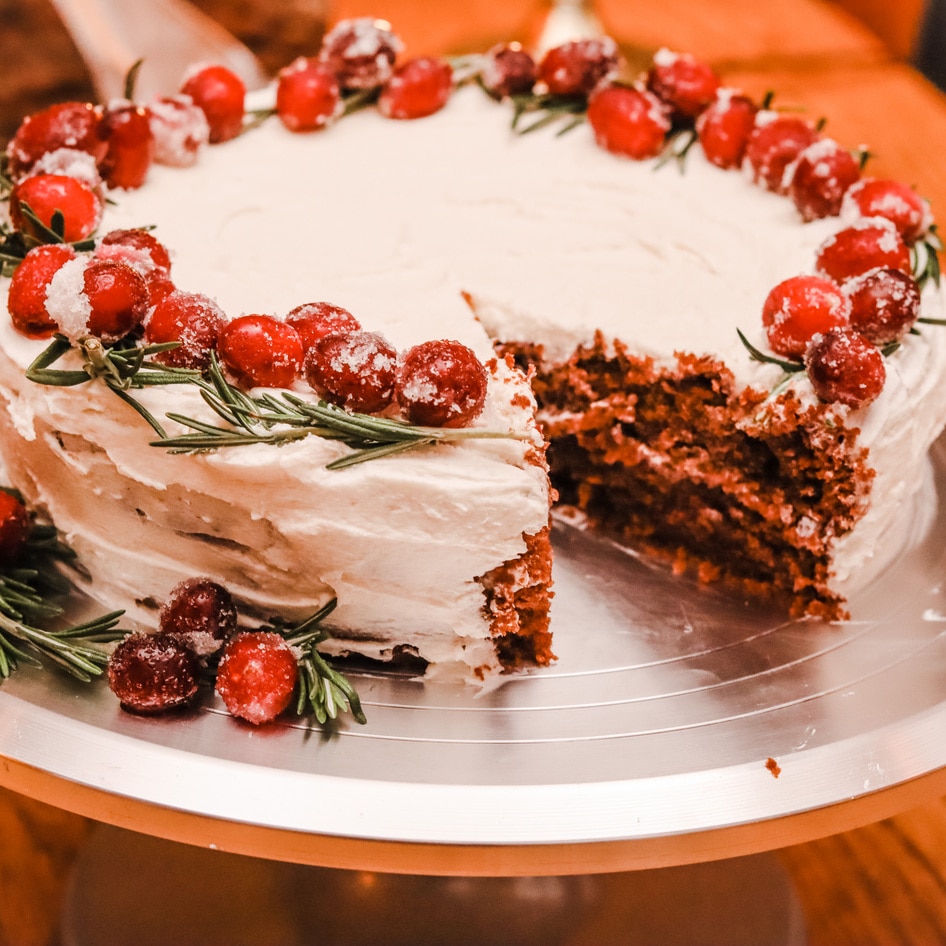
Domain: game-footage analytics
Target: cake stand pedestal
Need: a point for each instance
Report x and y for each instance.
(132, 888)
(678, 728)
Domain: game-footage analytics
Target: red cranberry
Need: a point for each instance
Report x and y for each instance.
(822, 174)
(190, 318)
(508, 70)
(901, 205)
(579, 66)
(628, 122)
(153, 673)
(201, 612)
(261, 351)
(685, 84)
(885, 303)
(800, 307)
(355, 370)
(26, 299)
(774, 143)
(845, 368)
(441, 384)
(15, 526)
(130, 146)
(361, 52)
(417, 88)
(221, 94)
(867, 245)
(724, 127)
(257, 676)
(47, 194)
(308, 96)
(118, 299)
(74, 125)
(313, 320)
(179, 129)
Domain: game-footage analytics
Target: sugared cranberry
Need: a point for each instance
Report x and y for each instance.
(355, 370)
(45, 194)
(190, 318)
(775, 142)
(866, 245)
(901, 205)
(130, 146)
(118, 299)
(508, 70)
(685, 84)
(845, 368)
(145, 254)
(361, 52)
(153, 673)
(26, 299)
(308, 96)
(221, 94)
(201, 612)
(799, 308)
(724, 127)
(441, 384)
(257, 675)
(261, 351)
(418, 88)
(885, 303)
(822, 174)
(78, 164)
(579, 66)
(15, 525)
(74, 125)
(179, 129)
(628, 122)
(313, 320)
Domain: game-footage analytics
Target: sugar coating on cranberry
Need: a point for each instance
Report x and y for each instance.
(683, 82)
(26, 298)
(118, 299)
(885, 304)
(153, 673)
(261, 351)
(257, 676)
(579, 66)
(355, 370)
(313, 320)
(72, 163)
(845, 368)
(820, 177)
(15, 526)
(202, 612)
(800, 307)
(628, 122)
(507, 70)
(441, 383)
(361, 52)
(190, 318)
(418, 88)
(868, 244)
(179, 129)
(896, 202)
(308, 96)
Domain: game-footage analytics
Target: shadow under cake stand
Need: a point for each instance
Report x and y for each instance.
(629, 794)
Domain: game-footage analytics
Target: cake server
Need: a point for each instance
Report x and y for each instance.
(168, 35)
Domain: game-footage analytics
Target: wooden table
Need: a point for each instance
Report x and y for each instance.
(884, 883)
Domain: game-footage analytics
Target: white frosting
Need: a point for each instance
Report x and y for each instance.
(552, 239)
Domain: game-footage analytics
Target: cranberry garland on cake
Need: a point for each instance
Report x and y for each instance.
(730, 369)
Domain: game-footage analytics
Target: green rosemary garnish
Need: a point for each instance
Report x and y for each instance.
(268, 418)
(322, 690)
(27, 591)
(924, 256)
(789, 367)
(567, 109)
(279, 418)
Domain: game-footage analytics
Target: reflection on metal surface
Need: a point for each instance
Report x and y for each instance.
(659, 718)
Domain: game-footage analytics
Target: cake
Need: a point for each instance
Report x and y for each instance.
(624, 296)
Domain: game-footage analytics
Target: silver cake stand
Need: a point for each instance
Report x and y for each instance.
(680, 735)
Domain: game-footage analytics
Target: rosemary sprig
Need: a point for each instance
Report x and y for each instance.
(924, 257)
(279, 418)
(322, 690)
(26, 601)
(789, 367)
(567, 109)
